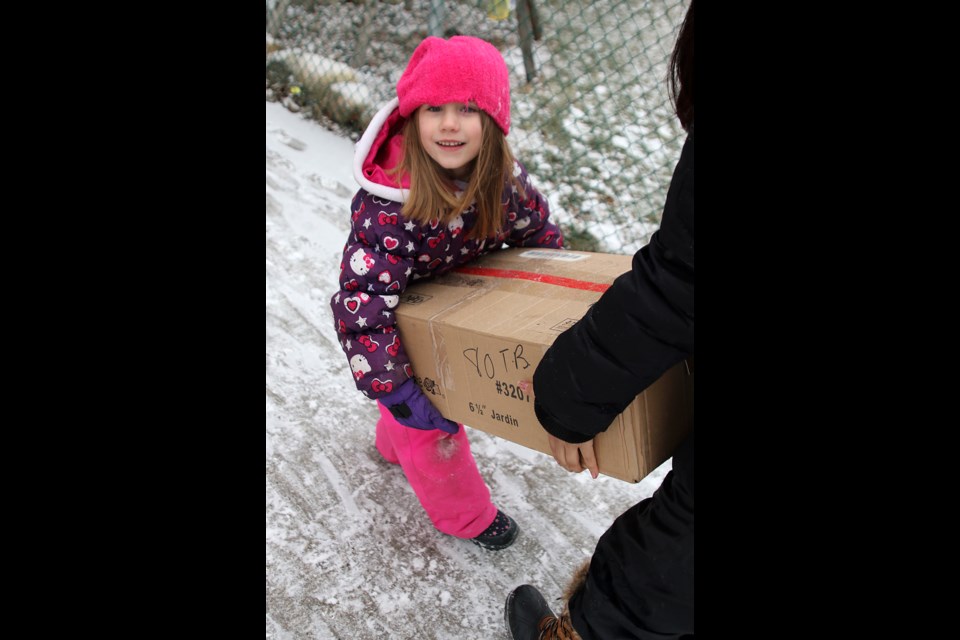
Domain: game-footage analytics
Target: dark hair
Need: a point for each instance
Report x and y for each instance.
(681, 72)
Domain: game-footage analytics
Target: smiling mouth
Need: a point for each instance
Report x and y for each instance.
(450, 144)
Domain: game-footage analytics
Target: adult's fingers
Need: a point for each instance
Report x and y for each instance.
(526, 386)
(589, 458)
(567, 455)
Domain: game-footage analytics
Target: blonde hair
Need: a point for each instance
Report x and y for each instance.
(433, 195)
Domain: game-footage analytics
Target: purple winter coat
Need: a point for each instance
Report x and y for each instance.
(385, 252)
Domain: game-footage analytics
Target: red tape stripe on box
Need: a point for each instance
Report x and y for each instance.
(560, 281)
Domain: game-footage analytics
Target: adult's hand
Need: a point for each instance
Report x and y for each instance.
(574, 457)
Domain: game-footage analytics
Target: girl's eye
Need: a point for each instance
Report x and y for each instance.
(433, 109)
(469, 109)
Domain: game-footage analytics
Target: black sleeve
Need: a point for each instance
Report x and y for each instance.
(639, 328)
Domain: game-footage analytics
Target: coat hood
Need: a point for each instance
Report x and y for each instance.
(379, 150)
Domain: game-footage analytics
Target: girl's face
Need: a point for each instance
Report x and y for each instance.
(451, 134)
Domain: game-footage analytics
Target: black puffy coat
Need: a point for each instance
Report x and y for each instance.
(640, 327)
(640, 583)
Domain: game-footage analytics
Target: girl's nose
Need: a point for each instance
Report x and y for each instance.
(451, 119)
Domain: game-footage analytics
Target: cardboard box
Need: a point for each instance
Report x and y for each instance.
(475, 332)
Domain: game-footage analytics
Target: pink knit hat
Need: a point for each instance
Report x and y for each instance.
(460, 69)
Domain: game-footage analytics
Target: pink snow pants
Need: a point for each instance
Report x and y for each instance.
(442, 472)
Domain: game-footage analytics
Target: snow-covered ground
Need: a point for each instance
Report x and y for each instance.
(350, 552)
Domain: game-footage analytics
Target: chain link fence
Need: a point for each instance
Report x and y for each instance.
(591, 116)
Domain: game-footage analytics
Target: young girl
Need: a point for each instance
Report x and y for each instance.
(439, 187)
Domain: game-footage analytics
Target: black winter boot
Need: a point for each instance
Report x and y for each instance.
(500, 534)
(529, 618)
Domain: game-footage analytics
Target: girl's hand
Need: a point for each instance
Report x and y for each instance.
(572, 457)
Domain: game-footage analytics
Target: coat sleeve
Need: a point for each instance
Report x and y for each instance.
(528, 217)
(638, 329)
(377, 263)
